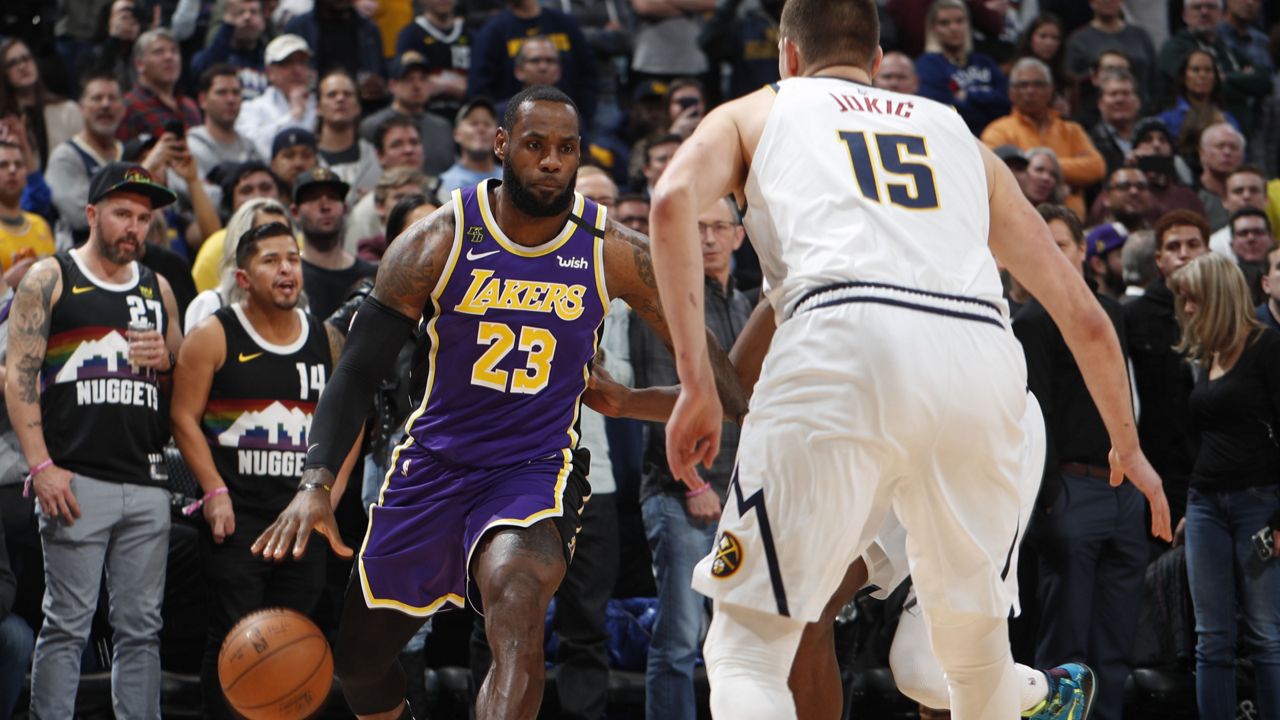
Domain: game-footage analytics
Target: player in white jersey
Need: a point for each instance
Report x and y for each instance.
(1061, 693)
(893, 380)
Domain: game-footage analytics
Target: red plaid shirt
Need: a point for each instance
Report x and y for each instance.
(145, 113)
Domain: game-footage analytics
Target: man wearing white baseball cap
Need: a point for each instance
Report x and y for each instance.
(289, 101)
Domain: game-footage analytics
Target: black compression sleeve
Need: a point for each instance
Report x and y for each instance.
(377, 334)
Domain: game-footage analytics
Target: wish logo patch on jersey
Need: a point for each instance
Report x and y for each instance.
(728, 556)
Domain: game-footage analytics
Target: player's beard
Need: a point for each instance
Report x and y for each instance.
(528, 203)
(112, 250)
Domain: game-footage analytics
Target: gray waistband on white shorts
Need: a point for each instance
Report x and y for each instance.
(955, 306)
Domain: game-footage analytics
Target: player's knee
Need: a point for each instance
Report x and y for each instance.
(748, 682)
(518, 592)
(965, 642)
(749, 655)
(917, 675)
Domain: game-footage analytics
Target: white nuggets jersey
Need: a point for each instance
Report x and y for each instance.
(854, 183)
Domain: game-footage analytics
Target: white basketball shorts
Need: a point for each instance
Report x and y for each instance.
(872, 399)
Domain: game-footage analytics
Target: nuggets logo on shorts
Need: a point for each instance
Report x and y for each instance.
(728, 556)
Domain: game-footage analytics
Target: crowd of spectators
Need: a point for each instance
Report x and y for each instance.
(1149, 134)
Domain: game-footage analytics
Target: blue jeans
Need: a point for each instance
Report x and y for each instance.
(1220, 558)
(677, 544)
(16, 645)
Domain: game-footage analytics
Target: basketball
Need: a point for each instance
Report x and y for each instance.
(275, 664)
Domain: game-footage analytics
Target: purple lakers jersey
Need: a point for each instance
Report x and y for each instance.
(512, 337)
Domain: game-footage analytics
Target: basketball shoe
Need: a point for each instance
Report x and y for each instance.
(1071, 694)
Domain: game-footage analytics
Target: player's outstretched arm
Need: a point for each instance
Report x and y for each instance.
(1020, 240)
(655, 404)
(708, 166)
(629, 274)
(406, 278)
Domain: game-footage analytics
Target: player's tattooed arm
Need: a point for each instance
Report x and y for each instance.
(29, 320)
(628, 268)
(412, 265)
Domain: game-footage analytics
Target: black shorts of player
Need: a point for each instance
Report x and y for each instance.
(577, 492)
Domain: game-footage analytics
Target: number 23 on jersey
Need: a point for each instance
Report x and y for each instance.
(538, 343)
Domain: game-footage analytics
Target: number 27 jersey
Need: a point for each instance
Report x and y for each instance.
(513, 332)
(854, 183)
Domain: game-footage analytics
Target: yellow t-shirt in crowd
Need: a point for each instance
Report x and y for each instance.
(205, 269)
(30, 239)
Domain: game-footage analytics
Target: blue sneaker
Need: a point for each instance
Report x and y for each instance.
(1071, 694)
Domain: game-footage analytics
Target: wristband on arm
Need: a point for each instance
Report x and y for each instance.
(33, 472)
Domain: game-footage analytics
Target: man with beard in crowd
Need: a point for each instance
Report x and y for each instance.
(83, 391)
(329, 270)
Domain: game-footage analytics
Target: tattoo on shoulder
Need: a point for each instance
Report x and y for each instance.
(409, 270)
(616, 232)
(29, 321)
(645, 301)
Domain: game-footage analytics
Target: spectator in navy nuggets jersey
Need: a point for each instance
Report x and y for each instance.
(83, 391)
(441, 36)
(257, 366)
(493, 57)
(484, 499)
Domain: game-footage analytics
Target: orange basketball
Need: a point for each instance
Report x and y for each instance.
(275, 665)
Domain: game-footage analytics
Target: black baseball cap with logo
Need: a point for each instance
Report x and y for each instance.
(320, 176)
(128, 177)
(410, 60)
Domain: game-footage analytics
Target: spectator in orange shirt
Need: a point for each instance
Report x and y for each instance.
(1034, 123)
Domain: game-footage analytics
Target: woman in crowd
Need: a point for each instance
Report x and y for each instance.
(1043, 40)
(255, 212)
(1042, 180)
(1197, 105)
(1233, 506)
(51, 120)
(951, 72)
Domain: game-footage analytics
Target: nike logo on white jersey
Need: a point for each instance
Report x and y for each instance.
(473, 255)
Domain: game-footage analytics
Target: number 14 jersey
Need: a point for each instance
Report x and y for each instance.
(854, 183)
(512, 330)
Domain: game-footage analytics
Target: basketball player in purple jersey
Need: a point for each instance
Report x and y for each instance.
(483, 498)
